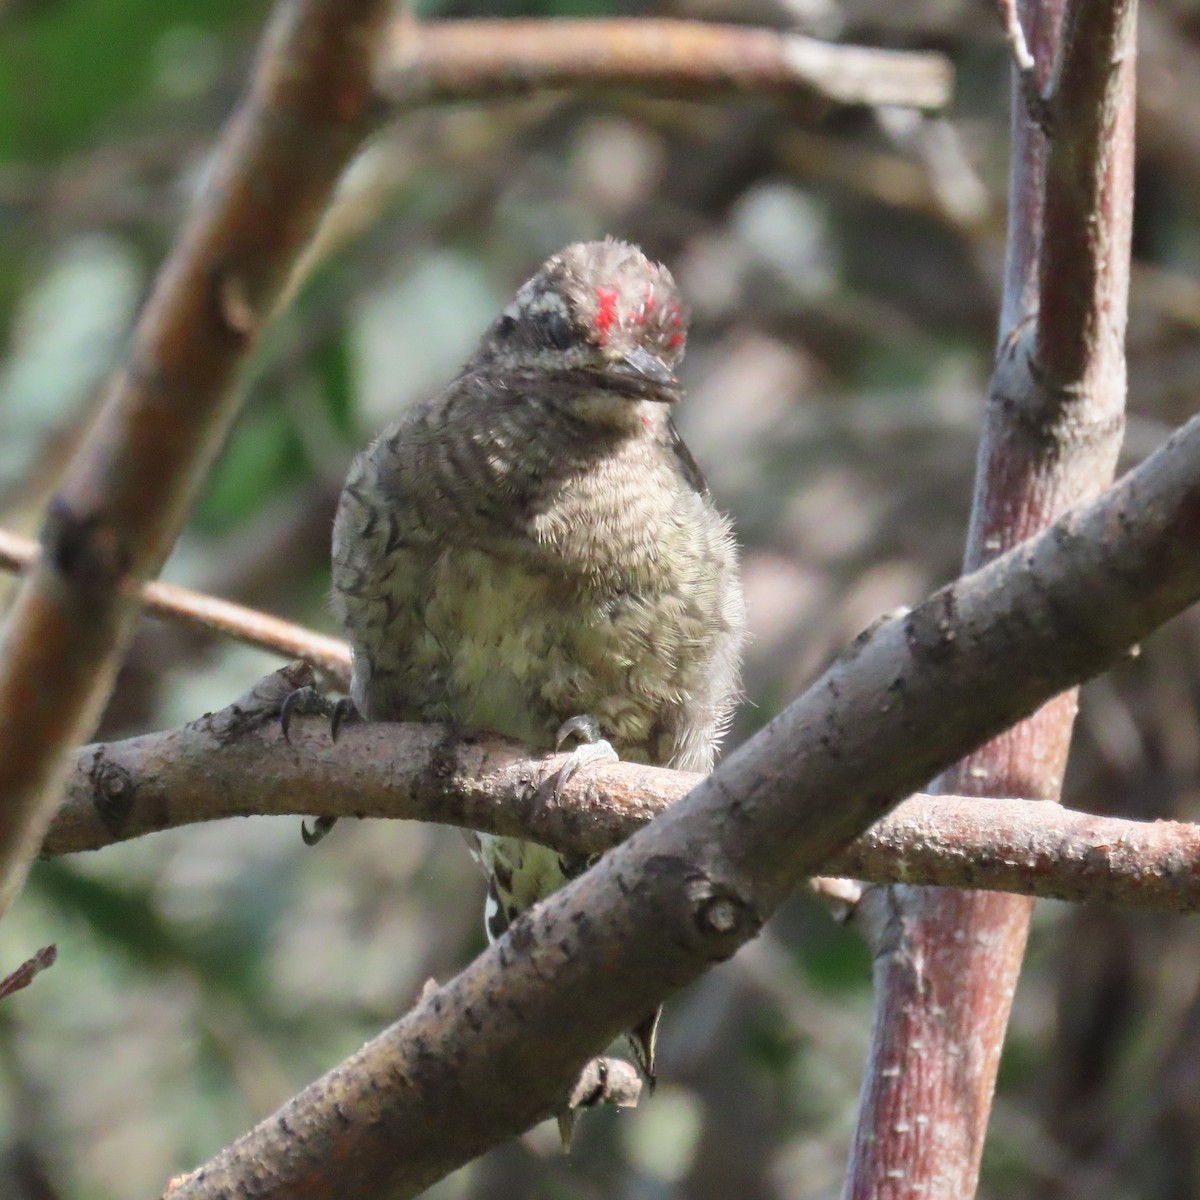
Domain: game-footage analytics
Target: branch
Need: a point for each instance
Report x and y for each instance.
(490, 1053)
(948, 962)
(28, 971)
(125, 495)
(330, 656)
(127, 491)
(1036, 107)
(235, 763)
(450, 61)
(1083, 271)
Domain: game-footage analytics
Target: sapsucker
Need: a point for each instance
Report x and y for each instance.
(534, 552)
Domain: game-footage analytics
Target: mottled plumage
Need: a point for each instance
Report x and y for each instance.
(536, 544)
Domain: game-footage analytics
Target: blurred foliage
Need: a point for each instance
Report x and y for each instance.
(844, 272)
(73, 66)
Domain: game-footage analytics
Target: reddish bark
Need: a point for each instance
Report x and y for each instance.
(947, 962)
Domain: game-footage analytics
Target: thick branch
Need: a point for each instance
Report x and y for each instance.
(448, 61)
(125, 494)
(331, 656)
(949, 961)
(488, 1054)
(1084, 266)
(235, 763)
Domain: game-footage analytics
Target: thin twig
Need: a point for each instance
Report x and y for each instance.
(1037, 103)
(442, 62)
(126, 493)
(25, 974)
(331, 656)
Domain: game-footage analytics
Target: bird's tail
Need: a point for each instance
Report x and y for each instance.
(643, 1038)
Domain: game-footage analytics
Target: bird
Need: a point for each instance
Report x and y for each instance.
(534, 552)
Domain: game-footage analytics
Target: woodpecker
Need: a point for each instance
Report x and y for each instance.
(534, 551)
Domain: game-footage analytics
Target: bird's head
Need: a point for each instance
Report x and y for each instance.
(601, 324)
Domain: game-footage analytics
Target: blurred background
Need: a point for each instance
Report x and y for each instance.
(844, 273)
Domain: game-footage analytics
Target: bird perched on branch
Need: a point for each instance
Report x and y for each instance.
(534, 552)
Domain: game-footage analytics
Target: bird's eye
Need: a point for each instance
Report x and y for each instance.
(556, 329)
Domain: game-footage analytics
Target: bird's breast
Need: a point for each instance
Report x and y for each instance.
(488, 631)
(518, 650)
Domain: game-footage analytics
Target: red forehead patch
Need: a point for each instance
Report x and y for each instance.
(608, 315)
(678, 337)
(606, 311)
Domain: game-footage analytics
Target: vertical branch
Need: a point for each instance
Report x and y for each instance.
(1042, 25)
(125, 495)
(947, 962)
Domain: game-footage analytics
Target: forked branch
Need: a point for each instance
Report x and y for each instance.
(489, 1053)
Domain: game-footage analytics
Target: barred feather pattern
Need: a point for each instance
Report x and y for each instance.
(530, 546)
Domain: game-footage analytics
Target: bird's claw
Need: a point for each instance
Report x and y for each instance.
(344, 709)
(307, 701)
(303, 701)
(320, 827)
(603, 1081)
(594, 749)
(586, 728)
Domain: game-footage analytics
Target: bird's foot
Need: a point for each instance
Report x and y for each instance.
(602, 1081)
(307, 701)
(593, 749)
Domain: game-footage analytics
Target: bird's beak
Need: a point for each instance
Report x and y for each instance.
(646, 368)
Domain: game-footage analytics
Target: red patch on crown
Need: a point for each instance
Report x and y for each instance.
(678, 337)
(606, 312)
(608, 315)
